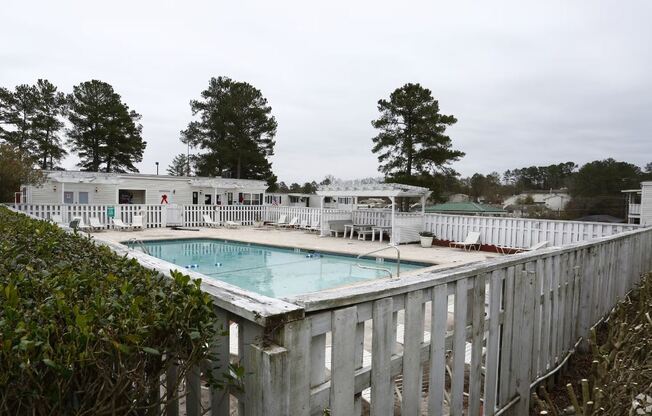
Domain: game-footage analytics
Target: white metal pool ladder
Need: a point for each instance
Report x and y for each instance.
(140, 244)
(398, 261)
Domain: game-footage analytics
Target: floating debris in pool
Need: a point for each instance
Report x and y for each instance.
(218, 264)
(192, 266)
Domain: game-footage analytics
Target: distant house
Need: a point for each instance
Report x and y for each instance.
(554, 199)
(639, 204)
(466, 208)
(72, 187)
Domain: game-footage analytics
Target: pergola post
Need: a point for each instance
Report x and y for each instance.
(392, 200)
(321, 215)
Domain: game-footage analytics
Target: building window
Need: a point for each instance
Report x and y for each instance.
(229, 198)
(83, 197)
(68, 197)
(345, 200)
(208, 199)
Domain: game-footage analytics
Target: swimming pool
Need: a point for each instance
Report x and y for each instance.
(271, 271)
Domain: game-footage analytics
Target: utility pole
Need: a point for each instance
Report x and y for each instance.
(156, 168)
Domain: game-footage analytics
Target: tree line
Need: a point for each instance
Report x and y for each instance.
(102, 130)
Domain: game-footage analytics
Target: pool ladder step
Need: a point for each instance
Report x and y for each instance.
(140, 244)
(384, 269)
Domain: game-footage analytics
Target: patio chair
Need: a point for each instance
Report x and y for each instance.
(137, 222)
(294, 222)
(232, 224)
(314, 226)
(56, 219)
(209, 222)
(119, 225)
(472, 241)
(304, 225)
(96, 225)
(282, 220)
(516, 250)
(77, 223)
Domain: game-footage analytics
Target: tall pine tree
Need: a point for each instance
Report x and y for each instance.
(412, 137)
(235, 130)
(17, 114)
(48, 123)
(105, 134)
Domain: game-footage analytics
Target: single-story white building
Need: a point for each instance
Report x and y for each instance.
(554, 199)
(72, 187)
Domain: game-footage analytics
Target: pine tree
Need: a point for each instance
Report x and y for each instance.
(32, 115)
(412, 134)
(50, 107)
(235, 128)
(17, 113)
(180, 166)
(105, 134)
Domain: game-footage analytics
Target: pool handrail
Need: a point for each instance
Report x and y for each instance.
(398, 261)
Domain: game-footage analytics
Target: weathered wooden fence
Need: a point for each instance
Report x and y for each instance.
(465, 340)
(519, 232)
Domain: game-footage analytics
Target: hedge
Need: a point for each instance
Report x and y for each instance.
(85, 331)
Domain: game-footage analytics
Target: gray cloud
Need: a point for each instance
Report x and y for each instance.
(530, 83)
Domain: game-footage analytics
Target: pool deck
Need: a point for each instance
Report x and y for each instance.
(439, 256)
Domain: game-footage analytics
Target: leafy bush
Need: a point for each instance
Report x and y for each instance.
(85, 331)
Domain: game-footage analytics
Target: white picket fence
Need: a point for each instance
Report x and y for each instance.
(154, 215)
(519, 232)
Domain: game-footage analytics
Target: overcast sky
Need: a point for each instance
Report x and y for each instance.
(530, 82)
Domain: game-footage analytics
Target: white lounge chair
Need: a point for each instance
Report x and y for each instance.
(119, 225)
(81, 224)
(209, 222)
(294, 222)
(232, 224)
(282, 220)
(314, 226)
(56, 219)
(472, 241)
(515, 250)
(137, 222)
(96, 225)
(304, 224)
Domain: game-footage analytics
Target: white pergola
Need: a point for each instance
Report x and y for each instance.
(375, 190)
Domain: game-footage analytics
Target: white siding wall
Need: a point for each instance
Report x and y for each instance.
(178, 191)
(45, 194)
(646, 203)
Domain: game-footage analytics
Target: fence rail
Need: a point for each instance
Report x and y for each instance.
(519, 232)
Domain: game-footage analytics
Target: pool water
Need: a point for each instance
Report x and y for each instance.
(271, 271)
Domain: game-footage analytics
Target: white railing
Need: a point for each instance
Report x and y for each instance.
(154, 215)
(634, 209)
(244, 214)
(301, 213)
(519, 232)
(380, 218)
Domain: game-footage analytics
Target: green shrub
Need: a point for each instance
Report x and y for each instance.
(85, 331)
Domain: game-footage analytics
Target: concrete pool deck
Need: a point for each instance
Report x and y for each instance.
(439, 256)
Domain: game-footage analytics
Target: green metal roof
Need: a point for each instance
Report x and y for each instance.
(464, 207)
